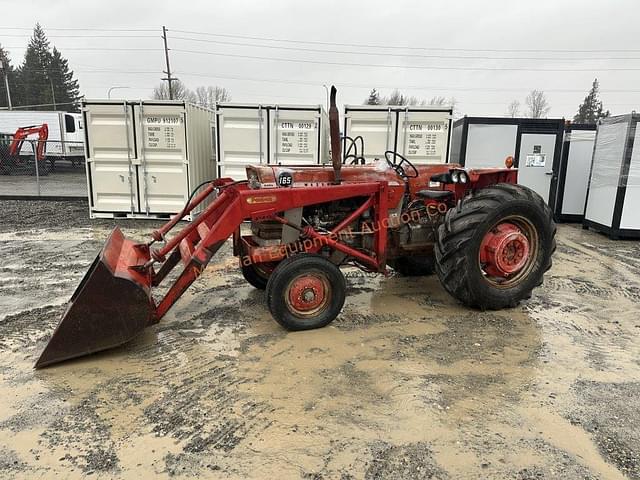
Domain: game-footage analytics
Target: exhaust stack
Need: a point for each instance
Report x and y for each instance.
(334, 131)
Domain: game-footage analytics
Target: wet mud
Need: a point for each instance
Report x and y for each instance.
(405, 384)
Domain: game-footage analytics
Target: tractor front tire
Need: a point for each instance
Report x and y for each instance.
(495, 246)
(305, 291)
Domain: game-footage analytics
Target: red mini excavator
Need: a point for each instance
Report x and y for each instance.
(488, 239)
(12, 161)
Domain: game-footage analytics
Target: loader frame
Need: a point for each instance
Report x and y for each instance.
(235, 203)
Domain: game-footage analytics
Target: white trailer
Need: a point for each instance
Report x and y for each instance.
(66, 131)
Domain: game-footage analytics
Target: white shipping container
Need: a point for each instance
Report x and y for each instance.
(144, 158)
(421, 134)
(249, 134)
(534, 143)
(614, 183)
(66, 132)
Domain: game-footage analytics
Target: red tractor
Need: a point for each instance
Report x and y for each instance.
(488, 239)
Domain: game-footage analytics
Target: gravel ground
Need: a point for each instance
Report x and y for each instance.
(405, 384)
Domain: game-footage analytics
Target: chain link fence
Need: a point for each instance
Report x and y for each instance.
(30, 168)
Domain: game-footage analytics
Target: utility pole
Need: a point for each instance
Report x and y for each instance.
(53, 93)
(5, 71)
(168, 78)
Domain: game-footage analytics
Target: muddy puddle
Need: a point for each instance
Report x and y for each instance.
(405, 384)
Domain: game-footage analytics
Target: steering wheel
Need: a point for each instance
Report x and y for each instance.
(410, 171)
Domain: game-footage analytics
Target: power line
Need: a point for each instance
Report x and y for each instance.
(387, 54)
(413, 67)
(25, 35)
(85, 29)
(404, 87)
(402, 47)
(350, 85)
(106, 49)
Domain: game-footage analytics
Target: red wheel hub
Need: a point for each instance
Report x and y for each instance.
(504, 250)
(306, 293)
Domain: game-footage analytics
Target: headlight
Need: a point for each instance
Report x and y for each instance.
(458, 176)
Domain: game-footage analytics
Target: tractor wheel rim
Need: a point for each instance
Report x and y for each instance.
(308, 294)
(508, 251)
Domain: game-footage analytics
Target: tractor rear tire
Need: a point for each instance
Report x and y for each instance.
(305, 291)
(462, 237)
(417, 266)
(254, 275)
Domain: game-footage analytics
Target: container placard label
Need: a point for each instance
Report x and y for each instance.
(163, 131)
(425, 139)
(296, 138)
(536, 160)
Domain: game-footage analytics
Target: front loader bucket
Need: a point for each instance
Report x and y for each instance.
(111, 305)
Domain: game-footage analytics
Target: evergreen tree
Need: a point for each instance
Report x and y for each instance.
(590, 110)
(7, 69)
(65, 87)
(33, 74)
(374, 98)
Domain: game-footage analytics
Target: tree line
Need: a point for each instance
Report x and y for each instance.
(398, 98)
(205, 96)
(43, 81)
(536, 104)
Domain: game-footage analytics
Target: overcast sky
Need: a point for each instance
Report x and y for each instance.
(485, 54)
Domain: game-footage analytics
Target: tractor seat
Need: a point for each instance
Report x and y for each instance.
(434, 194)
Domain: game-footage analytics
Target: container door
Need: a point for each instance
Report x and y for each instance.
(377, 128)
(111, 155)
(489, 145)
(607, 162)
(242, 140)
(424, 136)
(580, 144)
(162, 149)
(630, 215)
(294, 137)
(535, 162)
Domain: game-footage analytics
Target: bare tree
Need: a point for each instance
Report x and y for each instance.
(180, 92)
(209, 96)
(513, 109)
(440, 101)
(396, 98)
(437, 101)
(537, 104)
